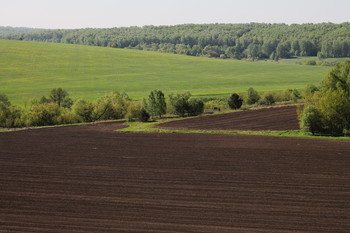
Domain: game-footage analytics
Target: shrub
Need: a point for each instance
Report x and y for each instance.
(179, 104)
(44, 114)
(84, 110)
(267, 99)
(4, 113)
(216, 103)
(4, 100)
(235, 102)
(311, 120)
(111, 107)
(182, 105)
(252, 96)
(67, 116)
(311, 63)
(133, 111)
(291, 95)
(195, 107)
(335, 108)
(10, 116)
(144, 115)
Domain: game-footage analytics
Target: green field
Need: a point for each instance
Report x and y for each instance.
(31, 69)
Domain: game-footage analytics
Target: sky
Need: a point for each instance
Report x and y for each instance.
(70, 14)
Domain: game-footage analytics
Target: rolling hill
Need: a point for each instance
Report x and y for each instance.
(31, 69)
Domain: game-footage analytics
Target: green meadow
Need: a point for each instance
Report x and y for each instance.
(31, 69)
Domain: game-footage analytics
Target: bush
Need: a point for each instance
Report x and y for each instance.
(252, 96)
(311, 120)
(134, 111)
(311, 63)
(144, 115)
(268, 99)
(291, 95)
(44, 114)
(111, 107)
(4, 114)
(216, 104)
(178, 103)
(335, 108)
(235, 102)
(10, 116)
(182, 105)
(67, 116)
(195, 107)
(84, 110)
(4, 100)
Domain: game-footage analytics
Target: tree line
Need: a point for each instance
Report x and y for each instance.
(58, 108)
(238, 41)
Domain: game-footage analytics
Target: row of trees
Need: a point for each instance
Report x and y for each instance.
(59, 108)
(326, 111)
(254, 40)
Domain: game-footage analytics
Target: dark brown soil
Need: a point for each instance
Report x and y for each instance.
(277, 118)
(91, 179)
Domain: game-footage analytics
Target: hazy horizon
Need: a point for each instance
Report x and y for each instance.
(76, 14)
(163, 25)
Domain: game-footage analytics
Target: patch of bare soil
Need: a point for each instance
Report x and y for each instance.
(276, 118)
(91, 179)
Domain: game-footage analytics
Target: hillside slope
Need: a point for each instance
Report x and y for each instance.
(32, 69)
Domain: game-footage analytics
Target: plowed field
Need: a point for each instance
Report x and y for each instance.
(90, 179)
(277, 118)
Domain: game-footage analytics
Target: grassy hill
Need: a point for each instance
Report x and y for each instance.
(31, 69)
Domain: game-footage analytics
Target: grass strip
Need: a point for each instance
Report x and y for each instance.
(151, 127)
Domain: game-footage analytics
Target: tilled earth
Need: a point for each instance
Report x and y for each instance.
(91, 179)
(276, 118)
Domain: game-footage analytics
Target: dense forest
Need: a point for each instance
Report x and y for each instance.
(253, 41)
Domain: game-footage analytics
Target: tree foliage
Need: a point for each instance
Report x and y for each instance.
(235, 101)
(182, 104)
(195, 107)
(4, 100)
(156, 104)
(252, 96)
(331, 104)
(268, 99)
(254, 40)
(311, 120)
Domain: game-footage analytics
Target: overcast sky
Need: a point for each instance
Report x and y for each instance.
(109, 13)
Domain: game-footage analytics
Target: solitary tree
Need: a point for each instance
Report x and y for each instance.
(235, 102)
